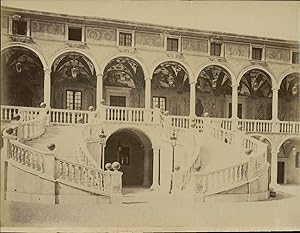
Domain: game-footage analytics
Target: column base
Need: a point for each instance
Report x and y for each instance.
(154, 187)
(274, 186)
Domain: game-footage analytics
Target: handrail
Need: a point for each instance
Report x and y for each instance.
(46, 165)
(220, 179)
(33, 128)
(85, 157)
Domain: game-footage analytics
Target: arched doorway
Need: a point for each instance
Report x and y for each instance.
(73, 82)
(288, 98)
(22, 77)
(288, 162)
(213, 92)
(255, 95)
(124, 83)
(133, 150)
(170, 88)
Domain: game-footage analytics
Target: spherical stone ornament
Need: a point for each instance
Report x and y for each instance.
(91, 108)
(248, 151)
(9, 130)
(108, 166)
(80, 120)
(177, 168)
(17, 117)
(51, 146)
(43, 105)
(116, 166)
(240, 127)
(197, 167)
(206, 114)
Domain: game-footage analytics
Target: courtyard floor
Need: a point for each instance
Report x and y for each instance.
(279, 213)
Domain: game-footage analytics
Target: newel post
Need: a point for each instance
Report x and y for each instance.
(198, 182)
(116, 184)
(49, 162)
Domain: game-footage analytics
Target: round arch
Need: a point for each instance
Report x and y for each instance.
(257, 67)
(34, 50)
(262, 135)
(137, 130)
(132, 148)
(286, 73)
(184, 64)
(138, 60)
(280, 143)
(232, 75)
(68, 50)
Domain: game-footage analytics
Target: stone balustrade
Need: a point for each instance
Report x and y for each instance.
(31, 129)
(97, 180)
(34, 160)
(68, 117)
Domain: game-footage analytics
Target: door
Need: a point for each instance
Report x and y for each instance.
(119, 101)
(74, 100)
(280, 172)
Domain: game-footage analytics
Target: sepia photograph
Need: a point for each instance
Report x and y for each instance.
(150, 116)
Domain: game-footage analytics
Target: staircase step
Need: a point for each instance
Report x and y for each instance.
(65, 138)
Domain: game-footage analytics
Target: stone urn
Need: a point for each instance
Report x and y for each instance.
(51, 146)
(116, 166)
(108, 166)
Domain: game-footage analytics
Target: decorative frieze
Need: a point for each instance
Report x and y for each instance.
(193, 45)
(236, 50)
(47, 29)
(99, 34)
(147, 39)
(278, 54)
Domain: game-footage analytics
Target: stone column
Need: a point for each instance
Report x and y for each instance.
(193, 99)
(147, 92)
(155, 184)
(273, 183)
(47, 87)
(147, 162)
(99, 90)
(234, 107)
(275, 110)
(275, 104)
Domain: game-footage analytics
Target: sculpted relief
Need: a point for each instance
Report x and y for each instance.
(236, 50)
(146, 39)
(47, 29)
(278, 54)
(98, 34)
(194, 45)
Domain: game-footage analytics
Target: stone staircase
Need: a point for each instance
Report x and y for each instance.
(65, 138)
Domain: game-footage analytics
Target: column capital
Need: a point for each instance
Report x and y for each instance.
(99, 75)
(234, 86)
(274, 152)
(275, 88)
(47, 71)
(148, 78)
(193, 82)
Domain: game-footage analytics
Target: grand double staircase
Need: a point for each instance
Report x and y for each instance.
(52, 144)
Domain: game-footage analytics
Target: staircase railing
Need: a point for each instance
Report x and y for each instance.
(87, 178)
(33, 128)
(226, 178)
(46, 165)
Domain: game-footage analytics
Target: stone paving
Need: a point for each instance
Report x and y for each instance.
(164, 214)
